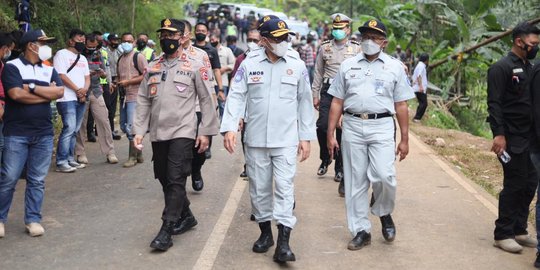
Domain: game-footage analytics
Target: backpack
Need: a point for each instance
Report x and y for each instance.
(135, 62)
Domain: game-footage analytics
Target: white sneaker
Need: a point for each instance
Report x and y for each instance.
(2, 231)
(35, 229)
(509, 245)
(82, 159)
(111, 158)
(526, 240)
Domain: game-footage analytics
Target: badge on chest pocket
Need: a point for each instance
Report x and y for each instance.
(379, 87)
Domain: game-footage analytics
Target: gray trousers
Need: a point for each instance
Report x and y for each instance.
(263, 165)
(368, 149)
(101, 117)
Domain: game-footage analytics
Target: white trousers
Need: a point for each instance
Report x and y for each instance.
(368, 149)
(264, 165)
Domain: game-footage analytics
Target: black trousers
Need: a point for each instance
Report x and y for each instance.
(172, 165)
(422, 105)
(519, 185)
(111, 101)
(322, 130)
(199, 158)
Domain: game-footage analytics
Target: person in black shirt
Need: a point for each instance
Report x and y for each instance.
(509, 108)
(535, 145)
(201, 35)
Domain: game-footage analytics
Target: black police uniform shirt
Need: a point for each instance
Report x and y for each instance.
(509, 101)
(27, 119)
(535, 93)
(212, 55)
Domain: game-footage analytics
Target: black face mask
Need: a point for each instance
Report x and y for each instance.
(214, 44)
(141, 44)
(200, 37)
(79, 46)
(531, 51)
(89, 52)
(114, 46)
(169, 46)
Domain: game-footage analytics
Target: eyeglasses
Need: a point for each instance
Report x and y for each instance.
(372, 37)
(170, 35)
(252, 40)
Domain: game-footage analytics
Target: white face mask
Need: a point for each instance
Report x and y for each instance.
(44, 52)
(7, 55)
(252, 46)
(280, 49)
(369, 47)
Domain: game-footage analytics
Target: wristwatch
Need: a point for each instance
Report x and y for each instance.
(32, 87)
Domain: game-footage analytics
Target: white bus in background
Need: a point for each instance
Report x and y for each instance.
(298, 27)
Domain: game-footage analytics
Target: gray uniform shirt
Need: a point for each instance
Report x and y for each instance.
(371, 87)
(329, 58)
(166, 100)
(276, 99)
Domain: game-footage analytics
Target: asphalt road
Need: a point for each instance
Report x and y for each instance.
(104, 217)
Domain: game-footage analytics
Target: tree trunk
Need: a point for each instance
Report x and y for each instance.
(77, 14)
(133, 17)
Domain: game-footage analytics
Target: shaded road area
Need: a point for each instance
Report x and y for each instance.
(104, 217)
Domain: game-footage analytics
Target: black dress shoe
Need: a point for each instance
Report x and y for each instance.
(338, 177)
(186, 222)
(388, 228)
(243, 174)
(361, 240)
(323, 168)
(163, 240)
(116, 137)
(266, 239)
(197, 181)
(252, 217)
(341, 189)
(283, 250)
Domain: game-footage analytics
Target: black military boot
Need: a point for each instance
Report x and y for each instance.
(186, 222)
(266, 240)
(283, 251)
(163, 240)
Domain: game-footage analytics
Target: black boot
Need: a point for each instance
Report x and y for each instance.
(338, 177)
(163, 240)
(266, 240)
(341, 188)
(283, 251)
(186, 222)
(323, 168)
(197, 181)
(388, 228)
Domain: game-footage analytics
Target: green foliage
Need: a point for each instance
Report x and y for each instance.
(441, 119)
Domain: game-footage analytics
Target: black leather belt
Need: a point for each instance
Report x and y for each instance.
(370, 115)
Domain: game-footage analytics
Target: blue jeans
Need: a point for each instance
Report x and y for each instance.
(1, 140)
(36, 153)
(535, 159)
(127, 114)
(221, 104)
(72, 113)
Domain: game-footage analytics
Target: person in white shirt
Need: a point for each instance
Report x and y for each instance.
(227, 60)
(73, 69)
(420, 84)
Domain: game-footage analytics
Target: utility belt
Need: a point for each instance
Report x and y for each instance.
(366, 116)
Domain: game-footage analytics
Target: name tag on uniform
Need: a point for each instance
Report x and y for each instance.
(379, 87)
(517, 70)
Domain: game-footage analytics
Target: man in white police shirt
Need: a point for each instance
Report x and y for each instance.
(272, 88)
(30, 87)
(369, 89)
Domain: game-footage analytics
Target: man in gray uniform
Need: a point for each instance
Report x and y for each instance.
(331, 55)
(369, 89)
(272, 88)
(166, 108)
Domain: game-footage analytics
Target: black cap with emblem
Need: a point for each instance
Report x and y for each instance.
(275, 28)
(172, 25)
(264, 19)
(375, 25)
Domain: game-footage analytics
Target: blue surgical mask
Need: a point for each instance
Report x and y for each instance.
(126, 47)
(339, 34)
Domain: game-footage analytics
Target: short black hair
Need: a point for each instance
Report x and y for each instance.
(231, 38)
(97, 33)
(423, 57)
(125, 34)
(523, 29)
(142, 34)
(75, 32)
(202, 23)
(6, 39)
(91, 37)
